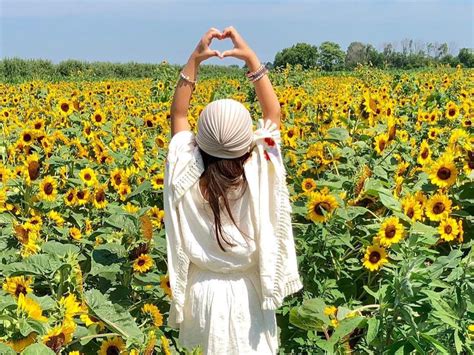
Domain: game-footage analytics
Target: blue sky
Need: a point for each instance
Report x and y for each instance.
(149, 31)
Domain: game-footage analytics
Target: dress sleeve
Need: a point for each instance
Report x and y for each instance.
(180, 150)
(278, 266)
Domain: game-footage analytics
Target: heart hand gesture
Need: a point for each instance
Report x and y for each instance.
(241, 49)
(202, 50)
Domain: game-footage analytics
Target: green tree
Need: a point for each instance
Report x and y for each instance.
(331, 56)
(356, 54)
(300, 53)
(466, 57)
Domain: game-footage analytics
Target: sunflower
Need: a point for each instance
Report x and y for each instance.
(32, 165)
(18, 345)
(124, 190)
(98, 118)
(59, 336)
(146, 227)
(381, 142)
(165, 285)
(330, 311)
(48, 189)
(31, 308)
(27, 137)
(157, 181)
(452, 110)
(82, 196)
(75, 233)
(154, 312)
(156, 215)
(99, 197)
(443, 172)
(320, 206)
(114, 346)
(375, 257)
(56, 218)
(88, 176)
(65, 107)
(70, 198)
(308, 185)
(448, 229)
(143, 263)
(438, 207)
(69, 306)
(165, 345)
(391, 231)
(17, 285)
(424, 155)
(412, 208)
(117, 177)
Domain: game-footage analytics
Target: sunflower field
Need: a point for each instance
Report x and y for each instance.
(380, 172)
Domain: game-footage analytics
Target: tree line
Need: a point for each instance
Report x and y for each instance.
(330, 57)
(327, 57)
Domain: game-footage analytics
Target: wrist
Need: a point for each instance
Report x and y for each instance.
(253, 63)
(193, 59)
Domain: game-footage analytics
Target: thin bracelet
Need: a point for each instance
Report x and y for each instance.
(256, 72)
(186, 78)
(260, 76)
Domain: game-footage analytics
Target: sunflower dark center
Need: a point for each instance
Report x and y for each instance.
(113, 350)
(382, 145)
(48, 188)
(98, 118)
(444, 173)
(141, 262)
(100, 196)
(452, 111)
(117, 179)
(87, 176)
(20, 289)
(80, 194)
(33, 170)
(438, 207)
(424, 154)
(27, 137)
(448, 229)
(390, 232)
(318, 209)
(410, 212)
(374, 257)
(65, 107)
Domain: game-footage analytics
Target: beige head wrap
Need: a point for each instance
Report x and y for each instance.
(225, 129)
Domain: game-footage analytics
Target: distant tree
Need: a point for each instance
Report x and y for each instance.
(374, 57)
(466, 57)
(331, 56)
(301, 53)
(356, 53)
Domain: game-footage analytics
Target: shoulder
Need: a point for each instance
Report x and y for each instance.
(182, 143)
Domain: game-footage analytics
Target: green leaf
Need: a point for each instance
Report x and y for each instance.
(337, 133)
(457, 342)
(435, 343)
(390, 202)
(144, 187)
(6, 350)
(373, 329)
(59, 249)
(345, 327)
(115, 316)
(37, 349)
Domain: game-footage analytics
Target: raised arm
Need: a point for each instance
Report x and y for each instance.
(263, 87)
(184, 89)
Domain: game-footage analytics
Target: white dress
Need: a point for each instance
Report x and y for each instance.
(222, 309)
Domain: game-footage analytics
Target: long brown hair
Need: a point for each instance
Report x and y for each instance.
(220, 175)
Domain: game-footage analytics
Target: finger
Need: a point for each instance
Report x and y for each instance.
(229, 53)
(212, 34)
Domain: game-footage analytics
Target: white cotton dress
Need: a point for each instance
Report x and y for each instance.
(222, 309)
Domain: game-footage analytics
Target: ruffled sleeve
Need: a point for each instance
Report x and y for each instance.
(271, 208)
(181, 155)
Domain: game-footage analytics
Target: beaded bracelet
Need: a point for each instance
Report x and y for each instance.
(256, 72)
(265, 71)
(186, 78)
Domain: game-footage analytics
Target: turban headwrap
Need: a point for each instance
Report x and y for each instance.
(224, 129)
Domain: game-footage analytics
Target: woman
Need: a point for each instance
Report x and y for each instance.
(230, 247)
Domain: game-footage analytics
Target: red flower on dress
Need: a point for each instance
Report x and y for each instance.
(269, 141)
(266, 155)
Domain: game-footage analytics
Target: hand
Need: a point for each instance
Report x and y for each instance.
(241, 49)
(202, 50)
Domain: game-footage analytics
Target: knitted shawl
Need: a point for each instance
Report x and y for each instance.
(270, 206)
